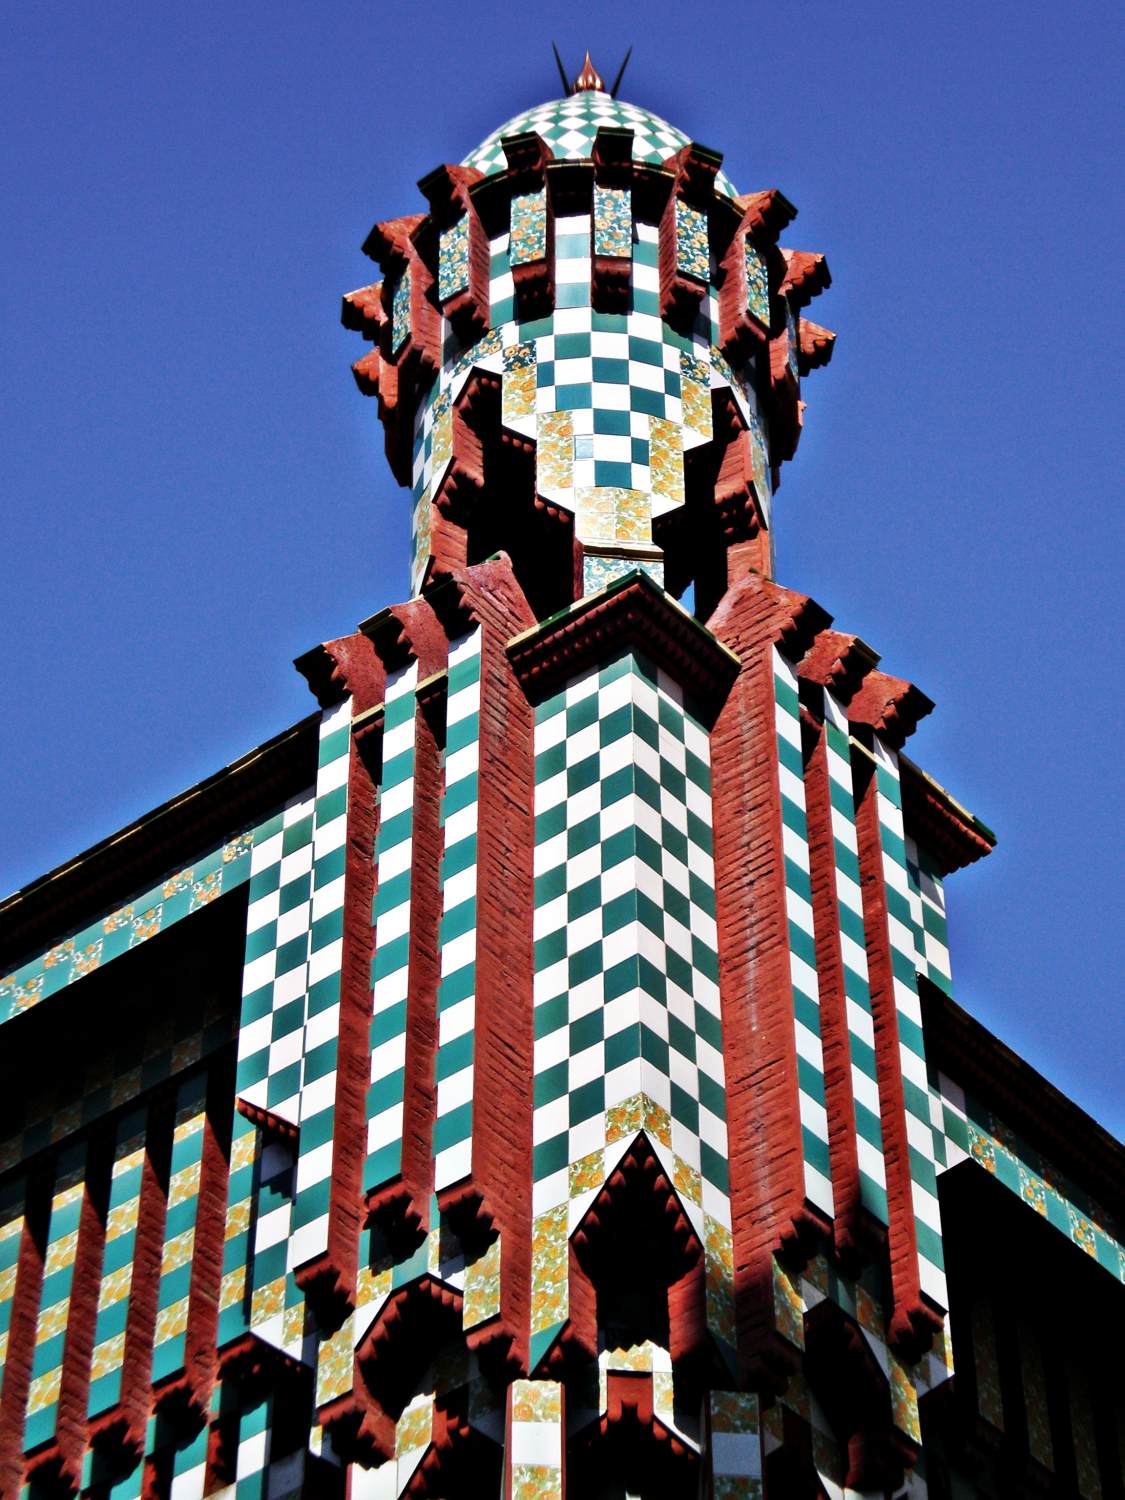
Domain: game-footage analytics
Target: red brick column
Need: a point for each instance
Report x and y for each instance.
(766, 1160)
(835, 662)
(489, 595)
(891, 708)
(349, 667)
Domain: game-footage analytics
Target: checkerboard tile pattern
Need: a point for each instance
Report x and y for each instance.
(117, 1262)
(271, 1031)
(613, 401)
(915, 1082)
(320, 1043)
(152, 911)
(627, 1027)
(179, 1228)
(570, 125)
(456, 1000)
(927, 910)
(802, 942)
(54, 1299)
(861, 1031)
(394, 852)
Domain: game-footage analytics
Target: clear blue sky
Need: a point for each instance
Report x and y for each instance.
(194, 492)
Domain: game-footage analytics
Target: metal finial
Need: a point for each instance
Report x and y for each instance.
(620, 74)
(589, 80)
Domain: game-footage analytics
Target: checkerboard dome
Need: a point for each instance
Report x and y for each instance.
(570, 125)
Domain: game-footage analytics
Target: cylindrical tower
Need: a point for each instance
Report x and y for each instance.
(588, 352)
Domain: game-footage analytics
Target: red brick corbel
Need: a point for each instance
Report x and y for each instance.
(741, 333)
(768, 1205)
(446, 189)
(391, 245)
(806, 276)
(815, 346)
(395, 375)
(889, 706)
(341, 668)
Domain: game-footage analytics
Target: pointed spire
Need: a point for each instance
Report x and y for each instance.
(589, 79)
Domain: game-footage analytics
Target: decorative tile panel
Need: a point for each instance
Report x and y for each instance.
(528, 237)
(453, 259)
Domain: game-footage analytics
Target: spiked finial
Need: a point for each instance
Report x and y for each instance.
(589, 79)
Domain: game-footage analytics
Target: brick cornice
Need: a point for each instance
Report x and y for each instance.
(949, 833)
(838, 662)
(815, 346)
(633, 612)
(792, 624)
(890, 706)
(347, 667)
(806, 276)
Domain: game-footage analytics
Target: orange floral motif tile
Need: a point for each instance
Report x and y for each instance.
(536, 1482)
(587, 1175)
(536, 1401)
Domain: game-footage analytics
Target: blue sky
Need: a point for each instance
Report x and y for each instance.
(193, 491)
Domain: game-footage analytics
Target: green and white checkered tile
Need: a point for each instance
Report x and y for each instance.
(309, 1229)
(627, 1022)
(613, 401)
(569, 126)
(11, 1235)
(456, 1000)
(849, 897)
(927, 910)
(912, 1055)
(117, 1262)
(189, 1467)
(394, 853)
(54, 1298)
(179, 1228)
(275, 974)
(802, 940)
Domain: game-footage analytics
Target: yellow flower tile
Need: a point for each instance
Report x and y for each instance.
(536, 1401)
(587, 1175)
(171, 1321)
(267, 1301)
(115, 1286)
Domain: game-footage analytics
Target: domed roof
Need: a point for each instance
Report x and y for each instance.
(570, 125)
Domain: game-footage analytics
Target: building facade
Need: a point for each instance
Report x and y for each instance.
(537, 1072)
